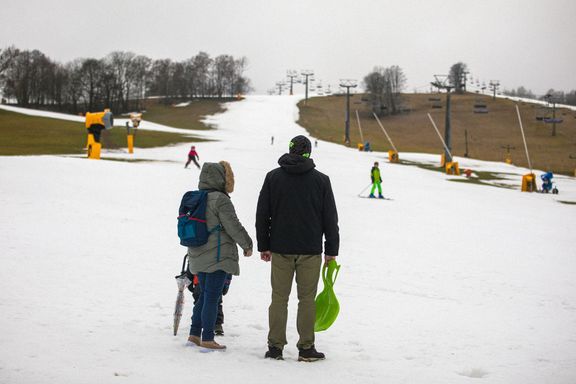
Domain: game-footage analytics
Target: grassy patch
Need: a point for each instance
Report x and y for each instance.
(30, 135)
(429, 167)
(126, 160)
(474, 180)
(478, 178)
(487, 133)
(188, 117)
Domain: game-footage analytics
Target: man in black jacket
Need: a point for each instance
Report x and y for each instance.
(296, 208)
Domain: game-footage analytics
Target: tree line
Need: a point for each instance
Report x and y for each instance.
(559, 97)
(119, 81)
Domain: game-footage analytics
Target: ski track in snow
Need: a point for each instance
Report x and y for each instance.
(446, 283)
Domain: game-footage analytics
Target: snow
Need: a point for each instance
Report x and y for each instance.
(446, 283)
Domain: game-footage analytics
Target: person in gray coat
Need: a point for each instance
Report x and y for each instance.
(212, 261)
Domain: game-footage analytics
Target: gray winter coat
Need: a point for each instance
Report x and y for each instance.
(219, 210)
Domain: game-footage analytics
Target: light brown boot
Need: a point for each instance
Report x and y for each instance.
(194, 339)
(212, 345)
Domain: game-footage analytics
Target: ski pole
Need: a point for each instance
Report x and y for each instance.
(365, 188)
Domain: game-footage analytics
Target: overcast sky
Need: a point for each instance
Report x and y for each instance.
(518, 42)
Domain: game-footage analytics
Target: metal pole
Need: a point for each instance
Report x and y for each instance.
(466, 139)
(523, 138)
(347, 131)
(439, 135)
(359, 128)
(291, 74)
(386, 133)
(554, 118)
(447, 129)
(306, 74)
(347, 83)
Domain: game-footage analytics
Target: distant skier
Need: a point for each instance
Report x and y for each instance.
(272, 141)
(315, 143)
(547, 183)
(376, 181)
(192, 156)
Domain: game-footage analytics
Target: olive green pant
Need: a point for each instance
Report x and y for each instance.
(307, 270)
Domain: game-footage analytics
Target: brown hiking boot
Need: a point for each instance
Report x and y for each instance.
(212, 345)
(194, 339)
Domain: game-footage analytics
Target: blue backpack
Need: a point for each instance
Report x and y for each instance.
(192, 228)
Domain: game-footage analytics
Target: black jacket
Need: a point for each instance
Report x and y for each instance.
(296, 208)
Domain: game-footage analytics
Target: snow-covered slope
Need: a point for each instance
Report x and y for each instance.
(444, 283)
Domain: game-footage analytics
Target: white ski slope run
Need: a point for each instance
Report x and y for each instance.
(446, 283)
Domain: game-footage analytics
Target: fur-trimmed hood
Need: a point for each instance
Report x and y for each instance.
(217, 176)
(229, 176)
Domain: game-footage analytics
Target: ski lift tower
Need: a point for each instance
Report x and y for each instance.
(494, 84)
(347, 83)
(306, 73)
(291, 74)
(441, 82)
(551, 100)
(280, 85)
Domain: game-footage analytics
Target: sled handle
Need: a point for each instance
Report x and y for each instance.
(328, 280)
(184, 263)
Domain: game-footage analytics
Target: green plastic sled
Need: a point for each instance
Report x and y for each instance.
(327, 306)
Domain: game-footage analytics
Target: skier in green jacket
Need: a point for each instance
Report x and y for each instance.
(376, 181)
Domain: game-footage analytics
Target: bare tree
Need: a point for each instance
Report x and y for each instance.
(457, 76)
(385, 86)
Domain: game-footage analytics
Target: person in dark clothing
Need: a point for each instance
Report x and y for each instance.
(194, 287)
(296, 209)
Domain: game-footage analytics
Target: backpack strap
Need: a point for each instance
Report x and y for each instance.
(219, 229)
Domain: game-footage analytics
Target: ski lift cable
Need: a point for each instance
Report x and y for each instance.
(386, 133)
(359, 128)
(439, 135)
(523, 138)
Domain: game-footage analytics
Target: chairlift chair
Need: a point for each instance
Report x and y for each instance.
(542, 113)
(480, 106)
